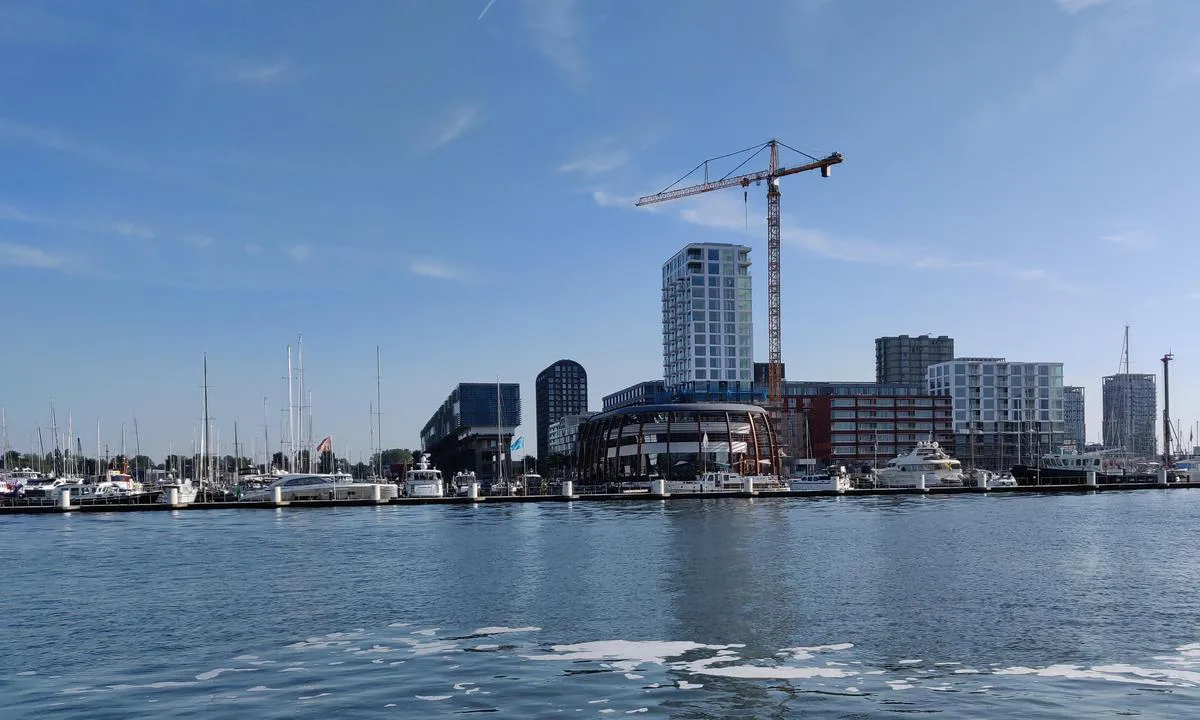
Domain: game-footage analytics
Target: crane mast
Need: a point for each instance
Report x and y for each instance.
(771, 175)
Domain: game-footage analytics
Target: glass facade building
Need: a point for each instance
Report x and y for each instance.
(707, 321)
(675, 442)
(471, 431)
(1130, 404)
(560, 390)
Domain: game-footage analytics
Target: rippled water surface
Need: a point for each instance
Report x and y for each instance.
(970, 606)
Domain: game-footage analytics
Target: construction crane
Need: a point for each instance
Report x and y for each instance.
(771, 175)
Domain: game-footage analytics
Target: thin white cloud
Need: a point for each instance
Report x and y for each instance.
(556, 27)
(433, 268)
(199, 241)
(1129, 240)
(724, 211)
(597, 162)
(253, 249)
(457, 124)
(485, 9)
(12, 214)
(260, 73)
(30, 257)
(299, 253)
(1073, 6)
(51, 140)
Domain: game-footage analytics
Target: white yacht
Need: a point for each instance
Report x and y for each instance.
(187, 491)
(926, 460)
(113, 486)
(835, 478)
(461, 483)
(424, 481)
(720, 481)
(316, 486)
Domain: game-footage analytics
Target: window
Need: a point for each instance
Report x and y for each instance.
(714, 268)
(714, 254)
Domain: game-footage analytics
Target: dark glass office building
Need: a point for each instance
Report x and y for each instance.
(560, 390)
(474, 421)
(675, 442)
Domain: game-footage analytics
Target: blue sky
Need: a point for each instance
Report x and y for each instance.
(453, 182)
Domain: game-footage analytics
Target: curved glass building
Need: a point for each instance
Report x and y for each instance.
(676, 442)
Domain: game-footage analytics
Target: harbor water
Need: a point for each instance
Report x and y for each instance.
(998, 606)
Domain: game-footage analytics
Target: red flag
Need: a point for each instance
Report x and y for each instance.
(326, 446)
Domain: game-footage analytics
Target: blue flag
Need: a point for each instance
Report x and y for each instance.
(517, 443)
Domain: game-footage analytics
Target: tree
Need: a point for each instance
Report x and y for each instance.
(12, 459)
(325, 462)
(281, 461)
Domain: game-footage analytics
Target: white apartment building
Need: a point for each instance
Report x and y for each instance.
(1004, 413)
(708, 330)
(564, 434)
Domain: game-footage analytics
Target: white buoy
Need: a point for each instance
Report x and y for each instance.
(473, 490)
(64, 499)
(277, 495)
(1091, 478)
(173, 497)
(983, 481)
(921, 483)
(748, 484)
(1162, 477)
(660, 487)
(568, 488)
(377, 492)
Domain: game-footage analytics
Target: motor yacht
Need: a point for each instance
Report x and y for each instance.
(318, 486)
(927, 460)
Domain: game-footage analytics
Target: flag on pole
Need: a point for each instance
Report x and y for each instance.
(517, 443)
(325, 446)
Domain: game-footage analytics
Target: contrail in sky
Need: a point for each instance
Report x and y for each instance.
(485, 9)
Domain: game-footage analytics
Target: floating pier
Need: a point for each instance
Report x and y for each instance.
(567, 494)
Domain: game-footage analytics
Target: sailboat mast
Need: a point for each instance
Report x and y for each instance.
(291, 428)
(204, 431)
(299, 393)
(137, 447)
(266, 439)
(54, 429)
(309, 443)
(371, 410)
(7, 448)
(237, 456)
(379, 413)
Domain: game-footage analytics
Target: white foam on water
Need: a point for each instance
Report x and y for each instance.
(375, 649)
(337, 662)
(377, 661)
(639, 710)
(27, 673)
(396, 662)
(946, 664)
(897, 685)
(462, 685)
(316, 644)
(154, 685)
(261, 688)
(875, 672)
(597, 702)
(626, 655)
(261, 662)
(213, 673)
(433, 648)
(852, 689)
(294, 668)
(966, 671)
(244, 658)
(433, 698)
(605, 711)
(500, 630)
(1114, 673)
(473, 690)
(910, 662)
(763, 672)
(390, 705)
(314, 697)
(633, 676)
(685, 685)
(427, 633)
(399, 624)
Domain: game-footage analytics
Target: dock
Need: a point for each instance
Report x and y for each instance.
(629, 497)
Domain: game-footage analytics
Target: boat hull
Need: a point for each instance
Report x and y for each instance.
(1032, 475)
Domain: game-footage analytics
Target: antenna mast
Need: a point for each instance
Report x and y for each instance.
(1166, 457)
(204, 432)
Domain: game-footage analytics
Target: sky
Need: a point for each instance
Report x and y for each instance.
(453, 183)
